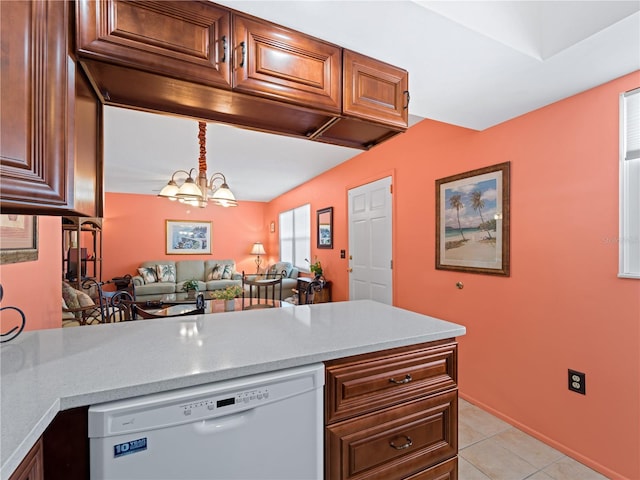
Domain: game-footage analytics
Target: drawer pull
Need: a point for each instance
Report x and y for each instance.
(406, 379)
(407, 444)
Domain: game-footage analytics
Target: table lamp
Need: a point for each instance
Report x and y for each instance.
(258, 249)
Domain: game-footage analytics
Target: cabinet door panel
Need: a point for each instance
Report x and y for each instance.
(35, 101)
(186, 40)
(395, 442)
(278, 63)
(375, 90)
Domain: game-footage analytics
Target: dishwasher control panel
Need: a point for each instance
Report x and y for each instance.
(244, 399)
(202, 402)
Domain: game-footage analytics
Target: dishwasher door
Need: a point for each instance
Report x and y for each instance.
(267, 426)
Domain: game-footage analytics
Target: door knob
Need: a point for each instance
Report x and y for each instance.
(350, 270)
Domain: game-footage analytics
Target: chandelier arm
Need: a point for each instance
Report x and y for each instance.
(181, 171)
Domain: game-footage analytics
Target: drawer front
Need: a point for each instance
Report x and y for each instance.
(365, 383)
(444, 471)
(395, 442)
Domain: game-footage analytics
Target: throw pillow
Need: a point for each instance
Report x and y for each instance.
(148, 274)
(227, 272)
(70, 296)
(166, 273)
(215, 273)
(85, 300)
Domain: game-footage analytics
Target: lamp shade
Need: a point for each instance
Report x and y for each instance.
(258, 249)
(224, 197)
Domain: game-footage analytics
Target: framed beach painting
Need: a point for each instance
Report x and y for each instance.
(472, 221)
(188, 237)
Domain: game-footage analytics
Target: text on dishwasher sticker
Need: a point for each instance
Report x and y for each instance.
(127, 448)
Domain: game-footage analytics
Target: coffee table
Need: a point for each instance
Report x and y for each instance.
(180, 305)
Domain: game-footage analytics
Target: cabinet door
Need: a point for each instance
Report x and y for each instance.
(395, 442)
(186, 40)
(282, 64)
(35, 100)
(31, 468)
(374, 90)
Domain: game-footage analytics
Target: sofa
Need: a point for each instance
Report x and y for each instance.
(159, 277)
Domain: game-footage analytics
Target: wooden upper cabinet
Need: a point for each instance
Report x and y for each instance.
(374, 90)
(282, 64)
(43, 171)
(185, 40)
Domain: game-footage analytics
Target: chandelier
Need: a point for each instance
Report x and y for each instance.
(199, 191)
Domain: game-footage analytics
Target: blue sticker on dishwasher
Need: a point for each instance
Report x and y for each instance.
(127, 448)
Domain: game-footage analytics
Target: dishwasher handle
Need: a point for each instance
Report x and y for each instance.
(221, 424)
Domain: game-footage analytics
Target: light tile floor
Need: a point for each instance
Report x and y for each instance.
(491, 449)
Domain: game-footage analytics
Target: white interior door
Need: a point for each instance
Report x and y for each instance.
(370, 242)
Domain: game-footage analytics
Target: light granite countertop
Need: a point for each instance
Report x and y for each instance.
(46, 371)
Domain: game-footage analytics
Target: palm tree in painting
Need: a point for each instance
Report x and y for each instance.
(456, 202)
(478, 204)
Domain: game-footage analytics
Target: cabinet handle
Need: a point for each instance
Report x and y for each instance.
(244, 54)
(406, 379)
(407, 444)
(406, 105)
(224, 49)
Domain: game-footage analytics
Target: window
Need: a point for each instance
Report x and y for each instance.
(295, 236)
(629, 240)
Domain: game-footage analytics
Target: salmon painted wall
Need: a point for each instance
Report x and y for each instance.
(563, 305)
(36, 287)
(134, 231)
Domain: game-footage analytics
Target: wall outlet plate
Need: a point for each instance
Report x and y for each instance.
(577, 382)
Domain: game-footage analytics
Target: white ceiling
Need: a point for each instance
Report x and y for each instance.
(471, 63)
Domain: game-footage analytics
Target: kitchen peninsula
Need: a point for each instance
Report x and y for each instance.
(47, 371)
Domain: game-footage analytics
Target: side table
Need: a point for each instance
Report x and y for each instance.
(323, 296)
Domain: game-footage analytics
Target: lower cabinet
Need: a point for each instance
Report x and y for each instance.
(408, 429)
(31, 467)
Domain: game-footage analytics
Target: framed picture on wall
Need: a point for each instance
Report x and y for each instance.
(472, 221)
(325, 227)
(188, 237)
(18, 238)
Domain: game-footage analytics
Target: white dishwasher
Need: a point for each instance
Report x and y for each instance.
(266, 426)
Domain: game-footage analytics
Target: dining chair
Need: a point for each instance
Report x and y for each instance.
(257, 287)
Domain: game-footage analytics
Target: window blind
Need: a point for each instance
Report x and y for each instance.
(632, 124)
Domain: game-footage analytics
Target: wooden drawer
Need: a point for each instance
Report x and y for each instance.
(395, 442)
(443, 471)
(364, 383)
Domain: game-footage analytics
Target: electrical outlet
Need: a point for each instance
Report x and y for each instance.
(577, 382)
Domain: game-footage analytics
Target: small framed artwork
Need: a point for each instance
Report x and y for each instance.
(272, 227)
(188, 237)
(18, 238)
(325, 227)
(472, 221)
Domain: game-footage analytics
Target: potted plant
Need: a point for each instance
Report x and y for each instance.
(191, 287)
(228, 295)
(315, 267)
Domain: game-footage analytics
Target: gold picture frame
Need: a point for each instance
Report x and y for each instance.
(473, 221)
(18, 238)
